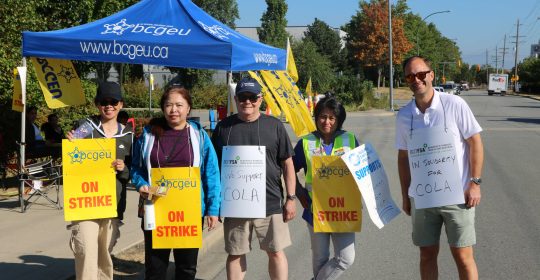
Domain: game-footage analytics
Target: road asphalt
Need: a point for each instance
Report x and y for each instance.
(35, 243)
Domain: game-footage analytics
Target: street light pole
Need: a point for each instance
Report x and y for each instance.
(418, 29)
(391, 89)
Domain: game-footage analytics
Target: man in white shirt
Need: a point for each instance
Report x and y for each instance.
(439, 120)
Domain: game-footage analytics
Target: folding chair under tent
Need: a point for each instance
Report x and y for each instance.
(157, 32)
(42, 179)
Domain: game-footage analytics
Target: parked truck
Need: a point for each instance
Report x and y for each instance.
(498, 83)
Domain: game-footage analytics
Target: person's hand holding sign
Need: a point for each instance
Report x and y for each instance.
(118, 165)
(144, 191)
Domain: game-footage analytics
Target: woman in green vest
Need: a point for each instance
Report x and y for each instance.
(328, 139)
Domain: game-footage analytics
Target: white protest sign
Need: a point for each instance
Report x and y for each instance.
(243, 182)
(435, 175)
(369, 174)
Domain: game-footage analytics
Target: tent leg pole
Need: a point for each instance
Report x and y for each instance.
(22, 155)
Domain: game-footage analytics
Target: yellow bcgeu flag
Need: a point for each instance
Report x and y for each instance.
(59, 82)
(291, 65)
(296, 94)
(267, 95)
(89, 179)
(309, 94)
(337, 203)
(287, 102)
(17, 102)
(178, 214)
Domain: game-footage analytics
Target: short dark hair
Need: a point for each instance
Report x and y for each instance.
(51, 116)
(31, 108)
(331, 103)
(424, 59)
(175, 89)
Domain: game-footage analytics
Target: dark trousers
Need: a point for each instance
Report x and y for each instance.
(156, 261)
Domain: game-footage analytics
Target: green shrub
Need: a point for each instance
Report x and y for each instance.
(136, 95)
(356, 94)
(209, 96)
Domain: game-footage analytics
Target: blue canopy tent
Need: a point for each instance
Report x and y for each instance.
(156, 32)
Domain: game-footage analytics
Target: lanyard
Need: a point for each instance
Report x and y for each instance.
(258, 133)
(444, 115)
(167, 157)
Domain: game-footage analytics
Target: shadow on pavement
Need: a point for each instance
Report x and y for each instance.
(524, 120)
(32, 266)
(524, 106)
(10, 204)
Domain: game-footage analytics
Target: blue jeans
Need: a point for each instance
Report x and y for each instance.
(325, 267)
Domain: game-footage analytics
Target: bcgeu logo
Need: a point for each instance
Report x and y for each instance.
(217, 30)
(178, 183)
(324, 172)
(147, 28)
(78, 156)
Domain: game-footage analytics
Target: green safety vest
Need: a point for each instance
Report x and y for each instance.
(312, 147)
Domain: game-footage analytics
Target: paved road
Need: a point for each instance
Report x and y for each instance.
(508, 224)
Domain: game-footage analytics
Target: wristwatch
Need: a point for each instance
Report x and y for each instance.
(291, 197)
(476, 180)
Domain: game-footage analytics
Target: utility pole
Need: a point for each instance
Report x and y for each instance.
(503, 52)
(487, 69)
(496, 60)
(391, 89)
(516, 56)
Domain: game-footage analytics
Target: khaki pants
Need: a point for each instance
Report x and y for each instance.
(92, 242)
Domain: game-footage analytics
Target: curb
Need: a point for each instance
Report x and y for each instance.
(531, 96)
(209, 243)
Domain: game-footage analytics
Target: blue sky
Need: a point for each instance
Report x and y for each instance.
(476, 25)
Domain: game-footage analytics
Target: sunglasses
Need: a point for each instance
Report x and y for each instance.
(244, 97)
(107, 102)
(411, 78)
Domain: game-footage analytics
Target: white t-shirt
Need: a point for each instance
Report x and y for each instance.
(459, 119)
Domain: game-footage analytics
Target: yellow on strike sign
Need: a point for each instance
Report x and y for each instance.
(337, 203)
(89, 179)
(178, 214)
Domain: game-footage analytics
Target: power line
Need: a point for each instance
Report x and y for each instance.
(516, 54)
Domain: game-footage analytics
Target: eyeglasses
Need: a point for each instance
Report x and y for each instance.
(411, 78)
(107, 102)
(244, 97)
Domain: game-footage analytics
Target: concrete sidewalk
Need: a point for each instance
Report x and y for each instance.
(34, 244)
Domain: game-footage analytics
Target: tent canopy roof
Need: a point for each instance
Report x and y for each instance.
(157, 32)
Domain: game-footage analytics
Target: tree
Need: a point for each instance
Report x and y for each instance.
(327, 41)
(529, 71)
(368, 36)
(225, 11)
(312, 64)
(430, 43)
(273, 23)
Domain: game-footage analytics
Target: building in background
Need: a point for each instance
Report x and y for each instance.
(535, 50)
(297, 33)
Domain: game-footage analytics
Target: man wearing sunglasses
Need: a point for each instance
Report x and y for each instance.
(251, 128)
(435, 126)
